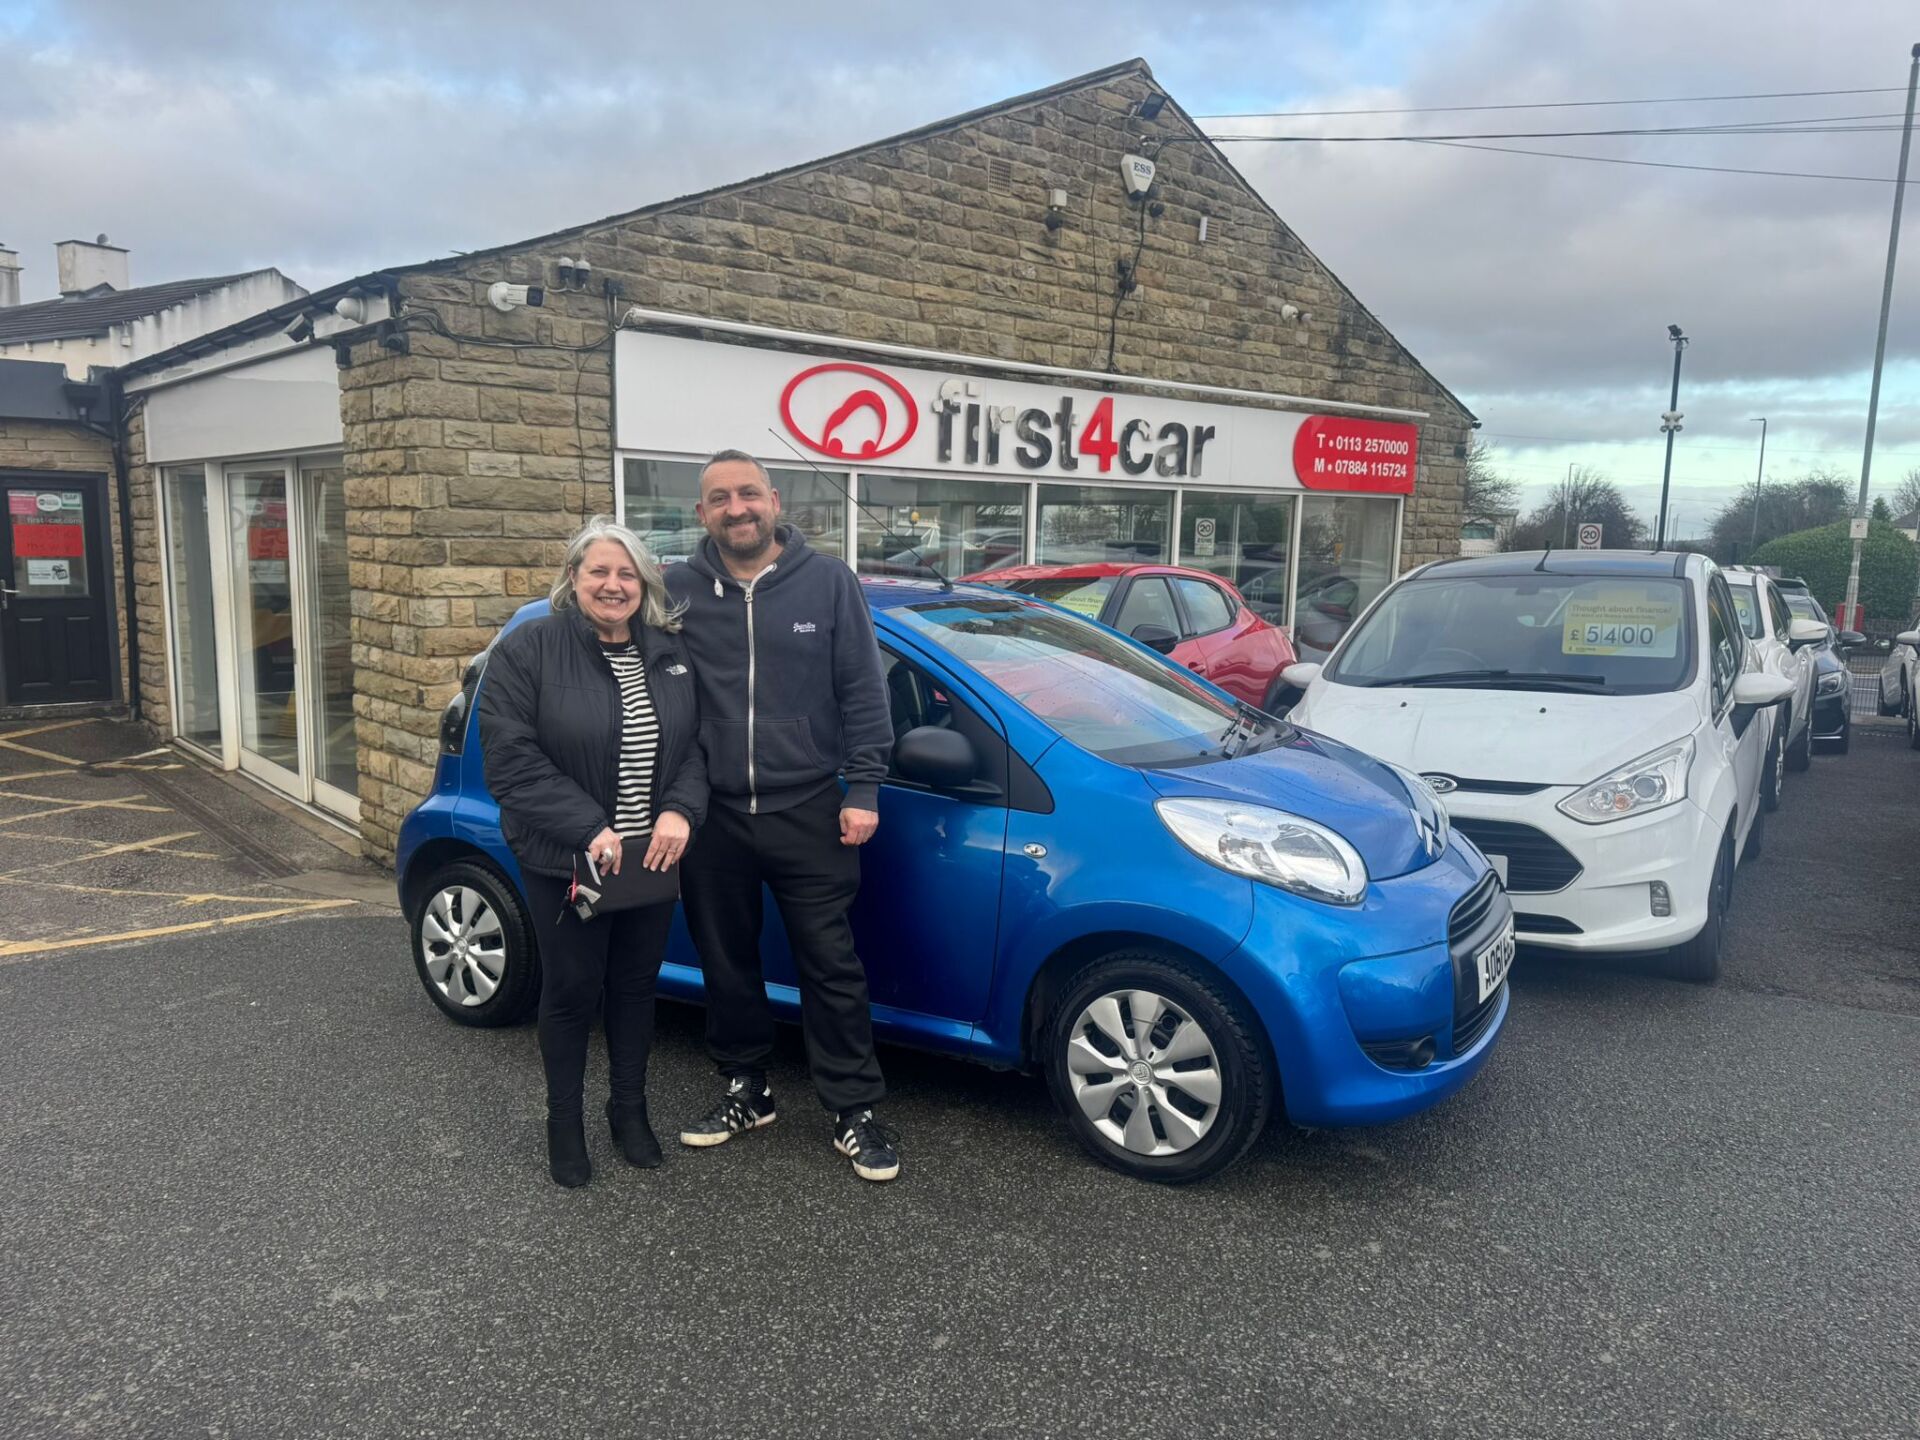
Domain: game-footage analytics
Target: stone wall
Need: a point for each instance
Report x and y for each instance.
(52, 446)
(156, 708)
(471, 458)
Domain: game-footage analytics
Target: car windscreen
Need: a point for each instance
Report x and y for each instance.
(1083, 596)
(1746, 601)
(1581, 634)
(1085, 682)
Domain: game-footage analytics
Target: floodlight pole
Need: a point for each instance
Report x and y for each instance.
(1759, 474)
(1670, 422)
(1880, 344)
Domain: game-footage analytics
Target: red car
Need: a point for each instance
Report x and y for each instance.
(1191, 616)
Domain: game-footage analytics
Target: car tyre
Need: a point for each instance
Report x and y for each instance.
(1193, 1027)
(1774, 775)
(1845, 741)
(1756, 845)
(1698, 960)
(473, 948)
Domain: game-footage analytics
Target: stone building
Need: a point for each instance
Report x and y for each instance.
(975, 328)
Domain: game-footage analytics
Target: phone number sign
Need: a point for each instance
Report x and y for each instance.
(1339, 452)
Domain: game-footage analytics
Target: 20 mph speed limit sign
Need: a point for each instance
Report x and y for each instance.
(1589, 537)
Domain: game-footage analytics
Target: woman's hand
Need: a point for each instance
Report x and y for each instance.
(604, 848)
(670, 834)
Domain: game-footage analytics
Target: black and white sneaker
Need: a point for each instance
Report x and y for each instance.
(871, 1147)
(747, 1105)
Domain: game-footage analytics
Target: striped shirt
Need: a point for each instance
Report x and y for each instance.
(639, 741)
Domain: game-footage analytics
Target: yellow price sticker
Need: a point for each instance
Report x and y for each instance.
(1622, 620)
(1083, 602)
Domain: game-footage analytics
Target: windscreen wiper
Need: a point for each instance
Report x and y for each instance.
(1249, 725)
(1521, 679)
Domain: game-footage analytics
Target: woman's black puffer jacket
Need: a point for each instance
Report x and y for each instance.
(550, 725)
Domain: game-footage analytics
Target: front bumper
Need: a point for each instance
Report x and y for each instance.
(1830, 716)
(1608, 906)
(1325, 1000)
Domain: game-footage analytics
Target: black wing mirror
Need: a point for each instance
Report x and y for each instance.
(1156, 637)
(1847, 639)
(937, 758)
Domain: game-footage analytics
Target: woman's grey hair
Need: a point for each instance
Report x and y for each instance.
(654, 609)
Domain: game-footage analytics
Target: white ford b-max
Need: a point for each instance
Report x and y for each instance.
(1595, 721)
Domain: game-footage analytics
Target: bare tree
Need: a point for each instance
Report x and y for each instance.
(1819, 497)
(1488, 492)
(1905, 499)
(1586, 496)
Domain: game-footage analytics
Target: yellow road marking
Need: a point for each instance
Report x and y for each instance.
(41, 729)
(27, 947)
(74, 806)
(35, 775)
(6, 744)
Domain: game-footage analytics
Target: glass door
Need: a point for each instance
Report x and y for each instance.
(264, 627)
(327, 657)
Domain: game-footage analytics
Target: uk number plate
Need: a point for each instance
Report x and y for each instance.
(1494, 960)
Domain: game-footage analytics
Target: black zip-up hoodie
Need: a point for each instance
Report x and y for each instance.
(791, 692)
(550, 727)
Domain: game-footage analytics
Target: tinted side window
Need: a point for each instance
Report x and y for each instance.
(1148, 602)
(1207, 605)
(1723, 642)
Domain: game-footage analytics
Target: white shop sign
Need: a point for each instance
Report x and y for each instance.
(692, 397)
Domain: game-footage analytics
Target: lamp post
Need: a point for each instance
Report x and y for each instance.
(1753, 541)
(1851, 618)
(1670, 423)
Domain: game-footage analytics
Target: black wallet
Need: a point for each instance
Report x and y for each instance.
(596, 893)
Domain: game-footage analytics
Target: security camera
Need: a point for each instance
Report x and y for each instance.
(504, 297)
(301, 329)
(1137, 171)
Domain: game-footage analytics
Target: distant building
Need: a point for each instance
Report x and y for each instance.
(1487, 534)
(100, 319)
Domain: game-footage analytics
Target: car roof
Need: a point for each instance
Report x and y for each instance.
(882, 592)
(1098, 570)
(1569, 562)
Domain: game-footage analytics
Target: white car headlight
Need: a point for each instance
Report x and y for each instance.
(1833, 682)
(1649, 783)
(1269, 845)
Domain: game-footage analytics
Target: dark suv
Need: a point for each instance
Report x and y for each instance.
(1832, 684)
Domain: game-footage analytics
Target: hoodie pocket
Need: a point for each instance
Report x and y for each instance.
(784, 754)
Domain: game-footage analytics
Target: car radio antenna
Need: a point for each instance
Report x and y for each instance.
(924, 563)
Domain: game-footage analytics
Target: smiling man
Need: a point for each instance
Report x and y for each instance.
(791, 698)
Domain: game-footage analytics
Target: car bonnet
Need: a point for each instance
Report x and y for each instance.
(1321, 780)
(1535, 737)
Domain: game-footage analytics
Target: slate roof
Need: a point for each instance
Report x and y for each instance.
(93, 311)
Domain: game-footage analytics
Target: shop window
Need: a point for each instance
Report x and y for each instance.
(659, 497)
(196, 668)
(1083, 523)
(956, 527)
(1346, 559)
(1245, 540)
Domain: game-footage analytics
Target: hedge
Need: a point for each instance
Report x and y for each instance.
(1889, 566)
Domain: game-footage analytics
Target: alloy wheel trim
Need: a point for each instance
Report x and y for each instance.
(463, 946)
(1143, 1072)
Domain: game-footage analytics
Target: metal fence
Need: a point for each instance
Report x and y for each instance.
(1863, 671)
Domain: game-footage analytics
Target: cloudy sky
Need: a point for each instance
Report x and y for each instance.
(220, 135)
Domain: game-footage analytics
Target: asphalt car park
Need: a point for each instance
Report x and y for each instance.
(259, 1186)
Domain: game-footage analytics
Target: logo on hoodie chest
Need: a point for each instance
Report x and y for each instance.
(804, 627)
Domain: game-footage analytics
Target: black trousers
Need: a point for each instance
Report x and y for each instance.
(797, 854)
(611, 961)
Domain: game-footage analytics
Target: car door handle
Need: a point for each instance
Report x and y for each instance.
(1195, 665)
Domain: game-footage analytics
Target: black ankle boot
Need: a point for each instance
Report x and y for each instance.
(632, 1135)
(567, 1152)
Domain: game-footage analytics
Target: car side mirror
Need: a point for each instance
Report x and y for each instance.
(1757, 690)
(1301, 674)
(938, 758)
(1156, 637)
(1802, 633)
(1909, 638)
(1847, 639)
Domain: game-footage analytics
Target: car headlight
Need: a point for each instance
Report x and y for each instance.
(1649, 783)
(1833, 682)
(1269, 845)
